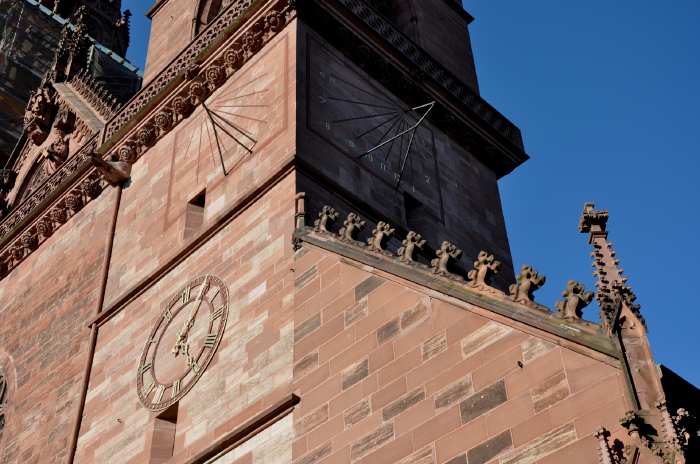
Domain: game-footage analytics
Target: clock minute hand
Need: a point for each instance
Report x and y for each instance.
(183, 333)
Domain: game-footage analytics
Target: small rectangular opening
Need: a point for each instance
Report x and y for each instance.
(163, 440)
(194, 213)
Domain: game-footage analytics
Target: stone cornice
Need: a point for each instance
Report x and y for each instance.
(199, 70)
(578, 332)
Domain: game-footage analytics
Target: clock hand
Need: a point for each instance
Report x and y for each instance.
(181, 345)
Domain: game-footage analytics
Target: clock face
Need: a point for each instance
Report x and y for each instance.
(182, 342)
(370, 125)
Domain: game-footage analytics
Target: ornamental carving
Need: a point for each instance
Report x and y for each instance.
(127, 153)
(380, 235)
(163, 121)
(485, 267)
(38, 115)
(57, 152)
(215, 76)
(444, 256)
(528, 282)
(575, 299)
(326, 216)
(409, 245)
(351, 227)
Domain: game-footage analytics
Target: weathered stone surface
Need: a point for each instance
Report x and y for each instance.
(354, 374)
(553, 390)
(490, 449)
(305, 278)
(461, 459)
(316, 455)
(414, 315)
(434, 346)
(372, 441)
(356, 413)
(402, 404)
(534, 348)
(422, 456)
(541, 447)
(306, 327)
(388, 331)
(483, 337)
(454, 393)
(367, 286)
(305, 364)
(356, 312)
(483, 401)
(311, 421)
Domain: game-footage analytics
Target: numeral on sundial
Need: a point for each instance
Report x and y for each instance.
(210, 341)
(213, 297)
(168, 315)
(159, 394)
(148, 388)
(195, 367)
(176, 388)
(217, 313)
(186, 294)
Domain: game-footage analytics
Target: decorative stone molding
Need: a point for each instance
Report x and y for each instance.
(605, 452)
(575, 299)
(528, 281)
(39, 114)
(250, 36)
(352, 225)
(409, 245)
(94, 94)
(380, 235)
(444, 255)
(485, 267)
(327, 216)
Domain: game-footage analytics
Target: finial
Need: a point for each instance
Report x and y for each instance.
(527, 283)
(351, 226)
(412, 241)
(485, 267)
(575, 299)
(379, 235)
(327, 215)
(593, 222)
(447, 252)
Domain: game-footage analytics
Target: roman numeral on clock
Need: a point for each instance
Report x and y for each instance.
(176, 388)
(185, 296)
(147, 389)
(168, 315)
(146, 367)
(159, 394)
(210, 341)
(217, 313)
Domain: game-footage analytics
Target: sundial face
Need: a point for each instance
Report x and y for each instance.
(367, 123)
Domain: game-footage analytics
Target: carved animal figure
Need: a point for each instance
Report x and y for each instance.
(446, 252)
(326, 216)
(409, 245)
(351, 226)
(380, 233)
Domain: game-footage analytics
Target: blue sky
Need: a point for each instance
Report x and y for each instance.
(606, 94)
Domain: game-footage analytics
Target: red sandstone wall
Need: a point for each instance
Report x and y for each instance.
(171, 32)
(253, 364)
(152, 220)
(45, 304)
(388, 372)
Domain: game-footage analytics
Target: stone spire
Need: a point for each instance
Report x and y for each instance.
(612, 289)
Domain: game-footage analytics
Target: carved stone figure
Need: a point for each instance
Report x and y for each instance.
(527, 283)
(147, 136)
(38, 115)
(409, 245)
(114, 172)
(447, 252)
(351, 226)
(163, 121)
(380, 234)
(198, 92)
(182, 106)
(485, 266)
(327, 215)
(44, 227)
(57, 152)
(575, 299)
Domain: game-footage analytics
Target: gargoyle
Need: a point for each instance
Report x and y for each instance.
(351, 226)
(485, 266)
(327, 215)
(575, 299)
(527, 283)
(409, 245)
(446, 252)
(379, 235)
(114, 172)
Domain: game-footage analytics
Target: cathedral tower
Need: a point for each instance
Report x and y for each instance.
(288, 247)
